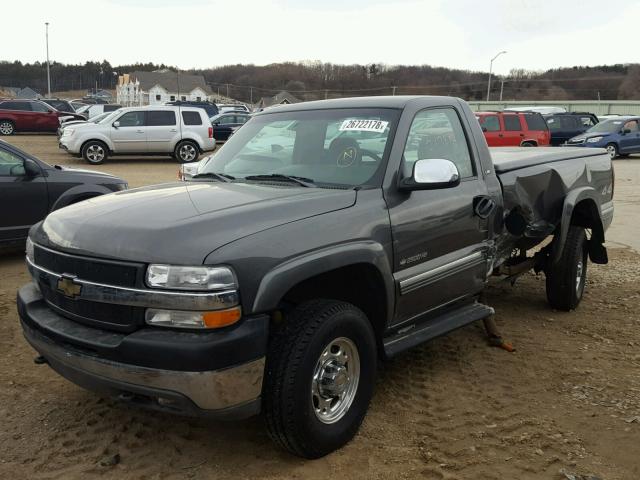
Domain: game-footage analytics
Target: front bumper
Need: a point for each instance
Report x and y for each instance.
(217, 374)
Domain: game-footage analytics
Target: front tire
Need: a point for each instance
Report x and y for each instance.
(612, 150)
(567, 277)
(95, 152)
(319, 379)
(186, 151)
(7, 127)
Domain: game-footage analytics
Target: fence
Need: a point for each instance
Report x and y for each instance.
(606, 107)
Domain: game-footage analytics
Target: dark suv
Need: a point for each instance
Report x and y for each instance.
(210, 108)
(564, 126)
(30, 116)
(31, 188)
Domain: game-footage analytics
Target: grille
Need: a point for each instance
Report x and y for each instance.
(91, 269)
(110, 316)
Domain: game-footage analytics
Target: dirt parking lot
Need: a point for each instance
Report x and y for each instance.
(567, 402)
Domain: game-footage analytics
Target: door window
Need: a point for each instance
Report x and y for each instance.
(512, 123)
(22, 106)
(132, 119)
(438, 133)
(191, 118)
(490, 123)
(159, 118)
(631, 125)
(11, 165)
(39, 107)
(587, 121)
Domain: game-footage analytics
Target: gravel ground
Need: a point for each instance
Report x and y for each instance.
(567, 402)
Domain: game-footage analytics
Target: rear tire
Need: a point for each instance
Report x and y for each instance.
(612, 149)
(186, 151)
(528, 144)
(95, 152)
(7, 127)
(319, 379)
(567, 277)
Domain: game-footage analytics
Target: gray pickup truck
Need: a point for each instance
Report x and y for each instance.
(322, 238)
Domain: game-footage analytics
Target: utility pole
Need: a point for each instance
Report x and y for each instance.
(227, 90)
(48, 67)
(178, 82)
(326, 94)
(394, 90)
(501, 88)
(251, 94)
(491, 71)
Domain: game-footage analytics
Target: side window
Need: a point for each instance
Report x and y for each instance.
(198, 99)
(132, 119)
(192, 118)
(569, 123)
(11, 165)
(22, 106)
(632, 125)
(172, 98)
(438, 133)
(39, 107)
(183, 98)
(553, 123)
(587, 121)
(160, 118)
(512, 123)
(490, 123)
(158, 97)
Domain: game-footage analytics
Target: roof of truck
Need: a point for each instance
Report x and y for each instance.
(506, 159)
(390, 101)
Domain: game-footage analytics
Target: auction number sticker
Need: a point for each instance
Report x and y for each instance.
(364, 125)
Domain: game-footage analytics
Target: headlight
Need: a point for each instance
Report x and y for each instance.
(29, 249)
(67, 132)
(190, 278)
(184, 319)
(594, 139)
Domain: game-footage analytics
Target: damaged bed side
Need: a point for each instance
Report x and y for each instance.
(545, 191)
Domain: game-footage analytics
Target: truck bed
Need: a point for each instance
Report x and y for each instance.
(535, 183)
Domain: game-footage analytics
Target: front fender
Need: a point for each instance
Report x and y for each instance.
(78, 192)
(278, 281)
(572, 199)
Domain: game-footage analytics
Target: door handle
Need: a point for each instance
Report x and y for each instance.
(522, 134)
(139, 131)
(173, 130)
(483, 206)
(500, 135)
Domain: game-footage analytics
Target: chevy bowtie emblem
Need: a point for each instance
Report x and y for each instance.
(68, 286)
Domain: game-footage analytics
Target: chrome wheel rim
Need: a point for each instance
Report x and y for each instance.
(187, 152)
(612, 151)
(6, 128)
(335, 380)
(95, 153)
(579, 273)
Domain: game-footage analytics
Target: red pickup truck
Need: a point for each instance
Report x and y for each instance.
(30, 116)
(514, 129)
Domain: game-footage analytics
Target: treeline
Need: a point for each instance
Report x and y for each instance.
(313, 80)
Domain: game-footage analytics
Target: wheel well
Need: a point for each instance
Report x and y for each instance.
(360, 284)
(189, 140)
(94, 140)
(75, 199)
(531, 142)
(585, 214)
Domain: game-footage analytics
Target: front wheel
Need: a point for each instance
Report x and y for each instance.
(320, 375)
(7, 127)
(95, 152)
(566, 278)
(612, 150)
(186, 152)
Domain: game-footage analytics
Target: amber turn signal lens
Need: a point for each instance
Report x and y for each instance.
(221, 318)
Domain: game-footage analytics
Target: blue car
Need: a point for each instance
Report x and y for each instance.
(620, 136)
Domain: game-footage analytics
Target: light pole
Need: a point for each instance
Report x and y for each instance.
(490, 71)
(48, 70)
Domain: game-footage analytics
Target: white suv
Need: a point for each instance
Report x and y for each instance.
(183, 132)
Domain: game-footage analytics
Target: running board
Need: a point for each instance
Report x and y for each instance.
(413, 335)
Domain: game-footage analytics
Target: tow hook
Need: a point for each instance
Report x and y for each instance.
(40, 360)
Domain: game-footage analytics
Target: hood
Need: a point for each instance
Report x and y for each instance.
(584, 136)
(180, 223)
(83, 171)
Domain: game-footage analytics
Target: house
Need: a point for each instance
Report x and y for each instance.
(159, 87)
(282, 98)
(27, 93)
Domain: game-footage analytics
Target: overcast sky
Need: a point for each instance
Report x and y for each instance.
(537, 34)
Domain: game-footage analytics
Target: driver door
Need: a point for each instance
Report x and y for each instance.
(630, 142)
(23, 198)
(130, 136)
(439, 243)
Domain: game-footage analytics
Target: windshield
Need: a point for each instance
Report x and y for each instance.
(608, 126)
(342, 147)
(102, 116)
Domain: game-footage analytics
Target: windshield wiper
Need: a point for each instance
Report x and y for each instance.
(220, 176)
(305, 182)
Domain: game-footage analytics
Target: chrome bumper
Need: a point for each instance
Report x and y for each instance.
(210, 391)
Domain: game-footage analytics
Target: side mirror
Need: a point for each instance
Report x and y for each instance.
(31, 168)
(625, 131)
(216, 123)
(484, 129)
(116, 124)
(431, 174)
